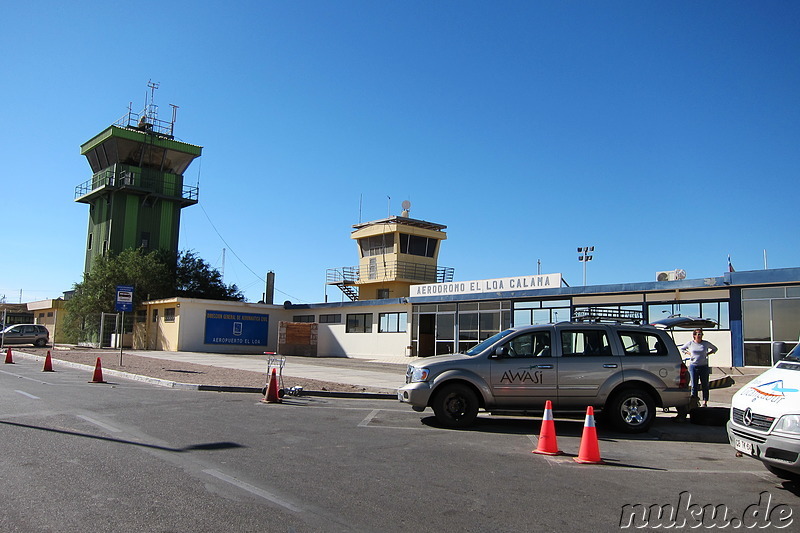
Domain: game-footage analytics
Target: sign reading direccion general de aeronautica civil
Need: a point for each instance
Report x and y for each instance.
(519, 283)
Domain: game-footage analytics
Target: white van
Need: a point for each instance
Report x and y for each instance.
(765, 418)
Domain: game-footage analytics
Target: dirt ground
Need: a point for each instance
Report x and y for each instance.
(180, 372)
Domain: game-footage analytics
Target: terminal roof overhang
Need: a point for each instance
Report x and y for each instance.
(140, 149)
(743, 279)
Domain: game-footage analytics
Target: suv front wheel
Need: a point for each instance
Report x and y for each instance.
(455, 405)
(631, 410)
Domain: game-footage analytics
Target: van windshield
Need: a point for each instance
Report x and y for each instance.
(794, 355)
(478, 348)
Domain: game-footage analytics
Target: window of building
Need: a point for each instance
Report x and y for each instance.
(769, 323)
(382, 294)
(169, 314)
(49, 314)
(155, 315)
(359, 323)
(377, 245)
(716, 311)
(330, 319)
(89, 244)
(392, 322)
(41, 315)
(541, 312)
(303, 318)
(145, 240)
(416, 245)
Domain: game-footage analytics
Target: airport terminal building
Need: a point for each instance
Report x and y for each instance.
(398, 302)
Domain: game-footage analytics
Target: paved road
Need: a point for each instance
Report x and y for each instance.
(127, 456)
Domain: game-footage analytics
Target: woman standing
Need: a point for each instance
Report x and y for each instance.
(698, 351)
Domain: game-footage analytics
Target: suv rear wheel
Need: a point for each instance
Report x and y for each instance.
(631, 410)
(455, 405)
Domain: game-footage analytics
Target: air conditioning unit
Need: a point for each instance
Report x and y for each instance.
(671, 275)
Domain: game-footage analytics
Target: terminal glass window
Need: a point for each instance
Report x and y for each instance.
(716, 311)
(447, 328)
(769, 323)
(392, 322)
(303, 318)
(330, 319)
(359, 323)
(541, 312)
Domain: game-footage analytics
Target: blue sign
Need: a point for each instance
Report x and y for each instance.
(124, 298)
(247, 329)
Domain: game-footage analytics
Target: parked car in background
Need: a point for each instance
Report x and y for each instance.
(624, 370)
(765, 418)
(35, 334)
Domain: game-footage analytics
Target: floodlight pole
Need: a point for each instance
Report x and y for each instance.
(585, 258)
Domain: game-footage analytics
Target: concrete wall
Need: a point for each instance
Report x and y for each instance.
(335, 342)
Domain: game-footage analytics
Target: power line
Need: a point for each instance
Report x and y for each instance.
(239, 258)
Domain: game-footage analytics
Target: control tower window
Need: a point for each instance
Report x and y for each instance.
(377, 245)
(416, 245)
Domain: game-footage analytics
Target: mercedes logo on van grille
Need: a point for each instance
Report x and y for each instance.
(747, 418)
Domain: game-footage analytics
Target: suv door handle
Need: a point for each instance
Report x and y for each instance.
(610, 365)
(542, 366)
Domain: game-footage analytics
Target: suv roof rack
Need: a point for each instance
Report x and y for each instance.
(602, 314)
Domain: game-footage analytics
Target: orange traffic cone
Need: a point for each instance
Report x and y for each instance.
(98, 373)
(48, 363)
(547, 434)
(272, 390)
(589, 452)
(9, 358)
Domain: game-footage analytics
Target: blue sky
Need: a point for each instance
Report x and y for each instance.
(665, 134)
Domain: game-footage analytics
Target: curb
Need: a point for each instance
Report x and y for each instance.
(206, 388)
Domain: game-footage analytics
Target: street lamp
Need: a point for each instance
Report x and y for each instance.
(585, 258)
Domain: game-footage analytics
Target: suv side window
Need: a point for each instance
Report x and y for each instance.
(536, 344)
(29, 329)
(641, 343)
(590, 342)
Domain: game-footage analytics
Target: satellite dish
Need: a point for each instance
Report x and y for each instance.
(406, 205)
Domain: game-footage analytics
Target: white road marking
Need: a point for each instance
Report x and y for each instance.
(25, 377)
(366, 421)
(253, 490)
(31, 396)
(103, 425)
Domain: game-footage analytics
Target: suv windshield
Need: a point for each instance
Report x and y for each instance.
(478, 348)
(794, 355)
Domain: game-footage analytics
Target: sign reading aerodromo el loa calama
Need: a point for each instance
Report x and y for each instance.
(518, 283)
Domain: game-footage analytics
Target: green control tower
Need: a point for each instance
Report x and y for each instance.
(137, 189)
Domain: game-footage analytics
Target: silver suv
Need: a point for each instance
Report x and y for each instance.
(35, 334)
(626, 371)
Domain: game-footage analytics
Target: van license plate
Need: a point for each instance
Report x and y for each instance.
(743, 446)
